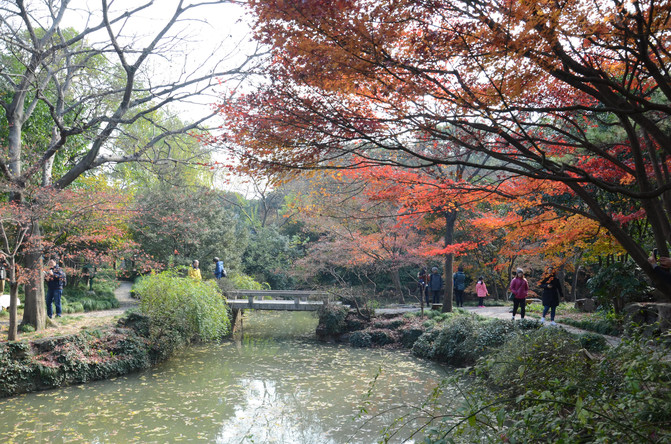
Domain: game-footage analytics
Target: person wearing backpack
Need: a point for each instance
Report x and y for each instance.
(459, 281)
(56, 280)
(219, 270)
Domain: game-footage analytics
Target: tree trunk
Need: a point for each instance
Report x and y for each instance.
(574, 290)
(450, 219)
(34, 312)
(396, 280)
(13, 304)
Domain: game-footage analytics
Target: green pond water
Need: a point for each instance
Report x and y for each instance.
(274, 383)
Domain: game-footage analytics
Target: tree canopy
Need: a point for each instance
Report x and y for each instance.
(567, 105)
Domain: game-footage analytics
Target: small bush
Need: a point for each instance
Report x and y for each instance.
(332, 319)
(455, 345)
(410, 336)
(604, 326)
(394, 324)
(429, 324)
(360, 339)
(525, 361)
(26, 328)
(493, 333)
(593, 342)
(381, 337)
(423, 347)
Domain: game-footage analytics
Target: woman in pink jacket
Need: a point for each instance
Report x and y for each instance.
(481, 290)
(519, 287)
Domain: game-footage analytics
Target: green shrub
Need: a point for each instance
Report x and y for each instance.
(354, 323)
(429, 324)
(423, 347)
(360, 339)
(381, 337)
(393, 324)
(455, 344)
(593, 342)
(603, 325)
(332, 319)
(617, 284)
(26, 328)
(409, 336)
(493, 333)
(195, 309)
(529, 361)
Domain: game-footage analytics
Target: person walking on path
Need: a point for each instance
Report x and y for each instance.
(56, 280)
(481, 290)
(551, 293)
(194, 271)
(435, 285)
(459, 281)
(219, 270)
(519, 288)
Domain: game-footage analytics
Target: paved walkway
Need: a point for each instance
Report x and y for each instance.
(505, 313)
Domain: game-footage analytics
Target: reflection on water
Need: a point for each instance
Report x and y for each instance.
(274, 384)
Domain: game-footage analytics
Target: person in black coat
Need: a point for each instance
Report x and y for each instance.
(551, 294)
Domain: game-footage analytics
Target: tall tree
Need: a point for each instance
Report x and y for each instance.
(94, 80)
(522, 83)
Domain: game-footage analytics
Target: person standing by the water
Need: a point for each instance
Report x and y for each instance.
(194, 271)
(551, 293)
(481, 290)
(519, 287)
(56, 280)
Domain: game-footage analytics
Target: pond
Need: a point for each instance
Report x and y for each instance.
(274, 383)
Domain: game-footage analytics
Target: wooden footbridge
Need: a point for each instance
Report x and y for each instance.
(285, 300)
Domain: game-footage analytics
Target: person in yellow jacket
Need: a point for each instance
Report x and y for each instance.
(194, 271)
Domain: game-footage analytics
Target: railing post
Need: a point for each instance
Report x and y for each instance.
(251, 301)
(297, 300)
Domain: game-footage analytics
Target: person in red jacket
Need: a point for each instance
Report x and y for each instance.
(519, 288)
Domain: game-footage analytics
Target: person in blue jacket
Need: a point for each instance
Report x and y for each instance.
(219, 270)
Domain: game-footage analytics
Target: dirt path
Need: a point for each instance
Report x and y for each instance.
(76, 322)
(122, 294)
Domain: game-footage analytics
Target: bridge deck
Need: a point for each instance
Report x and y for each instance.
(247, 304)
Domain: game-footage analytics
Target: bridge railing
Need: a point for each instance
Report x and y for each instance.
(297, 295)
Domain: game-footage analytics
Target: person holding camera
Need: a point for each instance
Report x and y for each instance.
(56, 280)
(661, 266)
